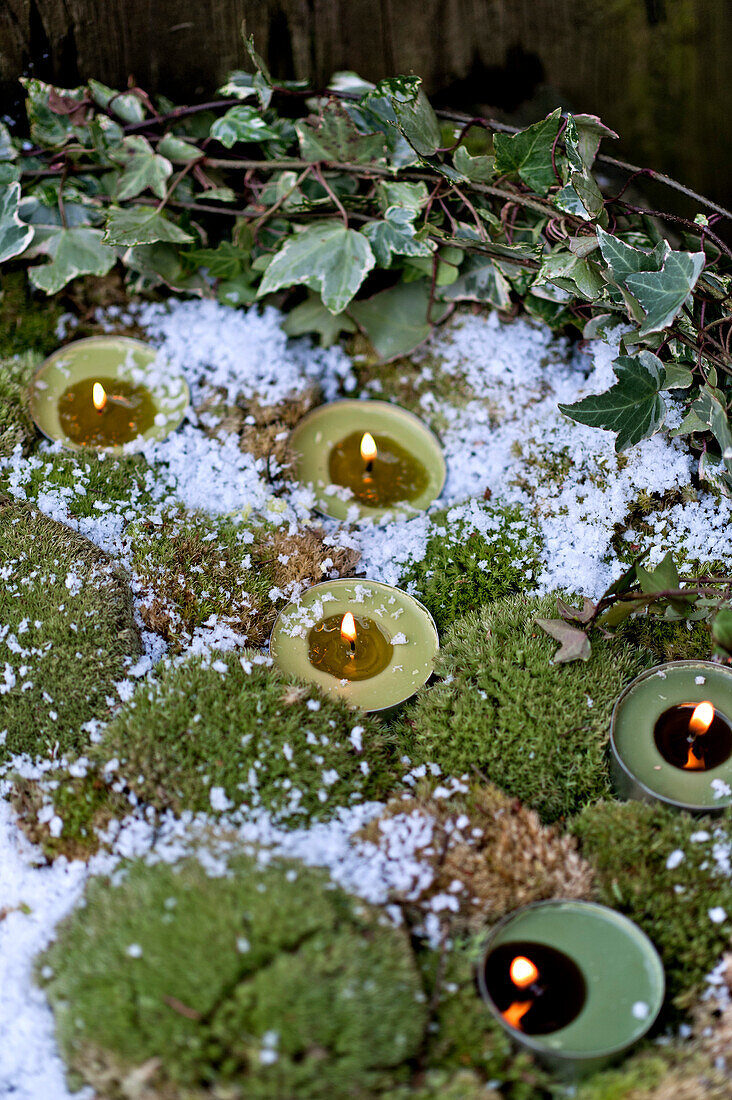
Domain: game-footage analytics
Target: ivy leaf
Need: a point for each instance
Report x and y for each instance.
(624, 260)
(396, 320)
(124, 105)
(582, 191)
(722, 633)
(15, 235)
(143, 169)
(327, 257)
(177, 150)
(48, 128)
(476, 169)
(632, 407)
(409, 196)
(590, 131)
(335, 137)
(571, 273)
(479, 281)
(575, 643)
(141, 225)
(226, 261)
(395, 236)
(710, 410)
(261, 81)
(77, 251)
(162, 263)
(664, 576)
(241, 124)
(239, 291)
(414, 116)
(7, 149)
(312, 316)
(677, 377)
(528, 154)
(663, 293)
(580, 615)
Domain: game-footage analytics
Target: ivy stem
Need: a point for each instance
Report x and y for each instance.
(334, 198)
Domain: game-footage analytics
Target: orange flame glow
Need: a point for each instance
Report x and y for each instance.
(523, 972)
(368, 447)
(515, 1013)
(348, 628)
(701, 719)
(99, 396)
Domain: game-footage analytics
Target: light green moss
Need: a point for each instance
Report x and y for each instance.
(629, 845)
(536, 729)
(475, 553)
(86, 481)
(673, 1072)
(258, 984)
(85, 804)
(66, 627)
(16, 427)
(237, 725)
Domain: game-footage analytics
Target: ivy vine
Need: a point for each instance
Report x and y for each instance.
(361, 208)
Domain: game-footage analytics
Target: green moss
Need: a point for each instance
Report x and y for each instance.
(673, 1072)
(536, 729)
(16, 426)
(84, 804)
(194, 566)
(87, 482)
(261, 983)
(441, 1085)
(238, 725)
(629, 844)
(475, 553)
(26, 323)
(66, 627)
(668, 641)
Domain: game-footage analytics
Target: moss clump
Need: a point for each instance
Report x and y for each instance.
(486, 850)
(193, 566)
(261, 983)
(673, 1072)
(87, 483)
(442, 1085)
(16, 427)
(263, 430)
(537, 729)
(475, 553)
(236, 727)
(668, 641)
(26, 323)
(629, 845)
(66, 627)
(85, 805)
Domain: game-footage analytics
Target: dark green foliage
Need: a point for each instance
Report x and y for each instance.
(475, 553)
(629, 845)
(237, 725)
(536, 729)
(668, 641)
(26, 324)
(262, 983)
(70, 612)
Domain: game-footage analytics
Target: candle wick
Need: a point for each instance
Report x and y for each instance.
(352, 653)
(370, 466)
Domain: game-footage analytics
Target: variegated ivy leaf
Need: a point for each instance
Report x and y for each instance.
(141, 225)
(633, 407)
(479, 281)
(333, 136)
(327, 257)
(142, 169)
(77, 251)
(395, 236)
(528, 154)
(15, 235)
(663, 293)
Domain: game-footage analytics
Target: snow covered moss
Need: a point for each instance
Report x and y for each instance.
(488, 854)
(16, 427)
(504, 710)
(66, 627)
(672, 874)
(63, 812)
(475, 553)
(259, 983)
(228, 731)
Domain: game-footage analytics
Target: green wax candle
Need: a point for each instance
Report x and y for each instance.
(144, 399)
(404, 475)
(575, 983)
(661, 751)
(395, 642)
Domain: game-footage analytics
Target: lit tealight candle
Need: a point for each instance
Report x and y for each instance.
(105, 393)
(365, 642)
(367, 459)
(671, 736)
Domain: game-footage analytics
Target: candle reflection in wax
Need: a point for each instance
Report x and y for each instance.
(693, 737)
(536, 988)
(106, 412)
(377, 469)
(349, 647)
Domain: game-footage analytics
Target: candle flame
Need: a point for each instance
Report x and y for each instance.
(99, 396)
(515, 1013)
(348, 628)
(701, 719)
(368, 447)
(523, 972)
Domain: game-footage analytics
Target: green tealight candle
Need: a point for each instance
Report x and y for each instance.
(671, 737)
(368, 460)
(573, 982)
(138, 397)
(368, 643)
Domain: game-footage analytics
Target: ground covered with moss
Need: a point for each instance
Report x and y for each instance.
(230, 885)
